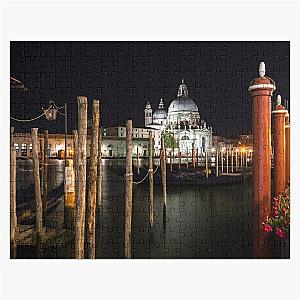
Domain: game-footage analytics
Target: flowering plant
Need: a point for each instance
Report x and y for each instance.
(279, 220)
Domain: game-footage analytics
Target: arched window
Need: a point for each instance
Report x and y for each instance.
(203, 144)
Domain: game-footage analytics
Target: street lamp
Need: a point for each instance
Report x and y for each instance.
(51, 114)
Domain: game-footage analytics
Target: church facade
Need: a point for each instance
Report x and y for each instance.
(182, 120)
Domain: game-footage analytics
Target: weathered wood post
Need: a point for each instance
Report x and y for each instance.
(42, 161)
(217, 163)
(36, 173)
(193, 159)
(261, 90)
(137, 159)
(100, 176)
(45, 171)
(236, 160)
(151, 181)
(75, 142)
(242, 158)
(128, 192)
(13, 195)
(231, 160)
(222, 162)
(187, 159)
(92, 194)
(81, 174)
(227, 162)
(179, 162)
(206, 164)
(164, 177)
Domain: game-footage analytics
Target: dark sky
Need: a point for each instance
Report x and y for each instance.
(125, 75)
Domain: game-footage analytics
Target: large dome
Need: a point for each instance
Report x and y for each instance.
(183, 102)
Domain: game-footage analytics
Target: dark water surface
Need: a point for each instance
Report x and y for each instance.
(202, 220)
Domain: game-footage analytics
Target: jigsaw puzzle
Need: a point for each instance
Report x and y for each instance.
(150, 150)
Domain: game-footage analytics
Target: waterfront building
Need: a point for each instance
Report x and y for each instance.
(182, 120)
(113, 145)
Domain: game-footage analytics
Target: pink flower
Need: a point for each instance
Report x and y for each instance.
(267, 228)
(284, 211)
(279, 232)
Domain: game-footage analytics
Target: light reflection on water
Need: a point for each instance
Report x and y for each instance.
(203, 221)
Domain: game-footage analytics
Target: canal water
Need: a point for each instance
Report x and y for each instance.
(202, 220)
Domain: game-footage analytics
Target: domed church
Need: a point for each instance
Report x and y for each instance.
(183, 120)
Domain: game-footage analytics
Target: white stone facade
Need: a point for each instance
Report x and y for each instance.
(183, 121)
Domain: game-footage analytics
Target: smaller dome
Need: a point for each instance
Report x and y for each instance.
(159, 114)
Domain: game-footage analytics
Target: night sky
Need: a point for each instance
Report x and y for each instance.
(125, 75)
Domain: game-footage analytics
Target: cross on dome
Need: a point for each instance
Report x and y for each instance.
(161, 104)
(182, 91)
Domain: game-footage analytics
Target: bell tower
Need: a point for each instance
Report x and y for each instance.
(148, 114)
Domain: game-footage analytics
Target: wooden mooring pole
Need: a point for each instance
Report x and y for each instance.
(128, 192)
(217, 163)
(187, 159)
(164, 178)
(100, 177)
(13, 195)
(206, 164)
(92, 194)
(193, 159)
(151, 182)
(227, 162)
(137, 159)
(45, 177)
(222, 163)
(81, 174)
(232, 160)
(179, 162)
(36, 173)
(75, 141)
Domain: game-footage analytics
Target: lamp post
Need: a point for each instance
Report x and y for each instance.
(51, 114)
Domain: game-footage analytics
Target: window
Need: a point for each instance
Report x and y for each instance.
(185, 138)
(17, 147)
(203, 144)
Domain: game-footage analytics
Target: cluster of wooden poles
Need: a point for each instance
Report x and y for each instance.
(87, 198)
(230, 160)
